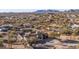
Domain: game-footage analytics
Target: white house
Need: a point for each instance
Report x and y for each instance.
(75, 26)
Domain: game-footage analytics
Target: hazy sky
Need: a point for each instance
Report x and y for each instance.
(31, 5)
(17, 10)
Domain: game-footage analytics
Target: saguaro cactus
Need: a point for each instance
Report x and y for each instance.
(11, 35)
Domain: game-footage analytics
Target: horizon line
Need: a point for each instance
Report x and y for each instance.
(30, 10)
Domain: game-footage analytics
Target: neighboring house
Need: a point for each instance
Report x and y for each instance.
(75, 26)
(27, 25)
(5, 28)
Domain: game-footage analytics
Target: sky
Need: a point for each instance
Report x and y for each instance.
(32, 5)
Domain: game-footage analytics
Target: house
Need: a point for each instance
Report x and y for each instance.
(75, 26)
(5, 28)
(27, 25)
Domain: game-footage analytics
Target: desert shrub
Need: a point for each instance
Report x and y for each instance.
(1, 42)
(54, 35)
(32, 40)
(67, 31)
(76, 32)
(1, 36)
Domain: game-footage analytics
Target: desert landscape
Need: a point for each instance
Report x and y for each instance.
(41, 29)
